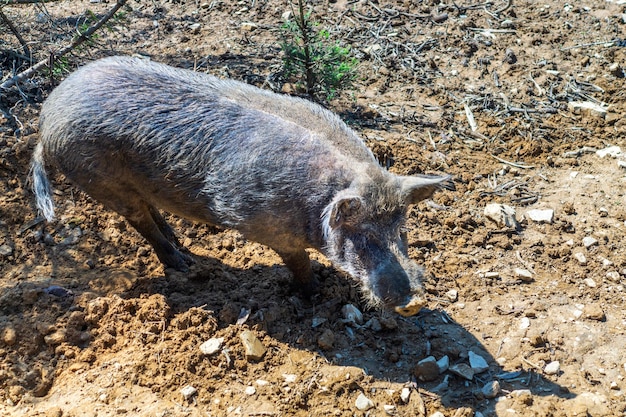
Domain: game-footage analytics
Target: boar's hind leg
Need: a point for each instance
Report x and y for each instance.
(160, 235)
(299, 264)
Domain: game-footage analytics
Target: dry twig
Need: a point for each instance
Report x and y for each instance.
(82, 37)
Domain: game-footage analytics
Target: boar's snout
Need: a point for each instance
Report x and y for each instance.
(397, 284)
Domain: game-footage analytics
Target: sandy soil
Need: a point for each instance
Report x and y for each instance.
(92, 325)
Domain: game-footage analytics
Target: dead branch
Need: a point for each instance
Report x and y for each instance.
(82, 37)
(13, 29)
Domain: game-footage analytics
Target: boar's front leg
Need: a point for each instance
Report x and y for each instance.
(299, 264)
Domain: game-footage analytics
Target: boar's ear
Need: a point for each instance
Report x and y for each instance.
(420, 187)
(343, 211)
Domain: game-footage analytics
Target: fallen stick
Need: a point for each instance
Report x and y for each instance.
(16, 32)
(513, 164)
(82, 37)
(14, 2)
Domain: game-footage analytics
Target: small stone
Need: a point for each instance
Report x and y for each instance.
(388, 323)
(524, 323)
(374, 324)
(614, 385)
(363, 403)
(427, 369)
(55, 338)
(437, 414)
(589, 282)
(250, 390)
(443, 364)
(290, 378)
(9, 336)
(477, 362)
(552, 368)
(195, 28)
(317, 321)
(541, 216)
(326, 340)
(613, 276)
(605, 262)
(523, 275)
(452, 295)
(405, 395)
(594, 312)
(589, 108)
(6, 250)
(501, 214)
(249, 26)
(463, 370)
(492, 275)
(212, 346)
(262, 382)
(603, 212)
(188, 392)
(390, 409)
(491, 389)
(254, 349)
(581, 258)
(351, 314)
(589, 241)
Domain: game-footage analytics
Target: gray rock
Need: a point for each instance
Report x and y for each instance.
(212, 345)
(477, 362)
(523, 274)
(552, 368)
(463, 370)
(188, 392)
(427, 369)
(5, 250)
(351, 314)
(491, 389)
(443, 364)
(589, 241)
(501, 214)
(581, 258)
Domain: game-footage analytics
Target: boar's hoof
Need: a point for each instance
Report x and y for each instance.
(411, 308)
(306, 289)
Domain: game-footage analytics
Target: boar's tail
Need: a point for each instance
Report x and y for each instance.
(41, 184)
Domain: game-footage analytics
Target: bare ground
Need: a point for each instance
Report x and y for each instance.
(92, 325)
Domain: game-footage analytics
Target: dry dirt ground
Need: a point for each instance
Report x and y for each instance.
(92, 325)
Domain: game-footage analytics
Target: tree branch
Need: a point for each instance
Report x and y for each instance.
(82, 37)
(13, 29)
(15, 2)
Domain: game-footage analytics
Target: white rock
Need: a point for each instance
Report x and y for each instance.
(477, 362)
(290, 378)
(443, 364)
(501, 214)
(588, 106)
(589, 282)
(612, 151)
(589, 241)
(405, 394)
(250, 390)
(523, 274)
(605, 262)
(212, 345)
(437, 414)
(552, 368)
(452, 295)
(613, 276)
(188, 392)
(581, 258)
(520, 392)
(5, 250)
(363, 403)
(524, 323)
(262, 382)
(195, 27)
(491, 389)
(492, 275)
(569, 242)
(390, 409)
(352, 314)
(541, 216)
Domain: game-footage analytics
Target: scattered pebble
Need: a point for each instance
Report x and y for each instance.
(249, 26)
(212, 346)
(552, 368)
(613, 276)
(326, 340)
(443, 364)
(463, 370)
(594, 312)
(592, 109)
(389, 409)
(405, 395)
(351, 314)
(374, 324)
(317, 321)
(452, 295)
(250, 390)
(437, 414)
(612, 151)
(581, 258)
(9, 336)
(491, 389)
(477, 362)
(363, 403)
(523, 274)
(290, 378)
(541, 216)
(253, 347)
(262, 382)
(427, 369)
(5, 250)
(501, 214)
(188, 392)
(195, 28)
(589, 282)
(524, 323)
(589, 241)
